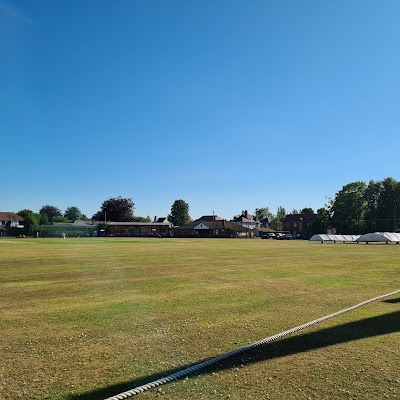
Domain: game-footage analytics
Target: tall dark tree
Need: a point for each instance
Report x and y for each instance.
(383, 199)
(349, 208)
(179, 213)
(307, 210)
(43, 219)
(49, 212)
(373, 215)
(117, 209)
(321, 224)
(389, 204)
(323, 215)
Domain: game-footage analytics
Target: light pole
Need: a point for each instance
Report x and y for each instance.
(257, 224)
(213, 224)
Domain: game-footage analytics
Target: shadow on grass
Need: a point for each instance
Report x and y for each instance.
(369, 327)
(393, 301)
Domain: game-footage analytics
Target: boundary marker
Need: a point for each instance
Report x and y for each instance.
(198, 367)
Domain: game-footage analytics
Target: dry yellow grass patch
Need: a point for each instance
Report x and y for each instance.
(87, 318)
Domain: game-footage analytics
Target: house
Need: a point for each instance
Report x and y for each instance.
(10, 220)
(209, 218)
(211, 226)
(259, 227)
(297, 223)
(247, 220)
(162, 220)
(139, 228)
(264, 223)
(262, 231)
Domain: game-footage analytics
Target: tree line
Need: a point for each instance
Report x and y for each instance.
(360, 208)
(113, 209)
(357, 208)
(117, 209)
(49, 214)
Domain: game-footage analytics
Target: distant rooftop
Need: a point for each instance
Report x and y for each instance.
(10, 216)
(209, 218)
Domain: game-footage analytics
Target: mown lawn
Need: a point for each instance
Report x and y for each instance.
(89, 318)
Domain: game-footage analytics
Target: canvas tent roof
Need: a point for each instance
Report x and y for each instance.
(322, 237)
(380, 237)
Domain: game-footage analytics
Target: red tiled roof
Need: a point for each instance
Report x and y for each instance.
(300, 217)
(210, 218)
(217, 224)
(10, 216)
(221, 224)
(266, 230)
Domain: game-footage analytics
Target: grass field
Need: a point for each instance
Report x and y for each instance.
(89, 318)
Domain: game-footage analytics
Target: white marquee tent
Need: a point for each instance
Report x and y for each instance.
(322, 237)
(380, 237)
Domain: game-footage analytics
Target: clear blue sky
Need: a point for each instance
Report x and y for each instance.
(226, 104)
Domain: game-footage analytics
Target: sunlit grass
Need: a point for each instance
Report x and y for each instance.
(81, 315)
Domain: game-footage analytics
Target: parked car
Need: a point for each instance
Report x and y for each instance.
(270, 235)
(288, 236)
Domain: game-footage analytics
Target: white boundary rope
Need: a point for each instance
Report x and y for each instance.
(197, 367)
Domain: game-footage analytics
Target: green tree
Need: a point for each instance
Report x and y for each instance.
(60, 219)
(383, 210)
(30, 218)
(321, 223)
(73, 213)
(349, 208)
(389, 204)
(263, 212)
(179, 213)
(281, 213)
(307, 210)
(277, 222)
(143, 219)
(49, 212)
(323, 215)
(117, 209)
(43, 219)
